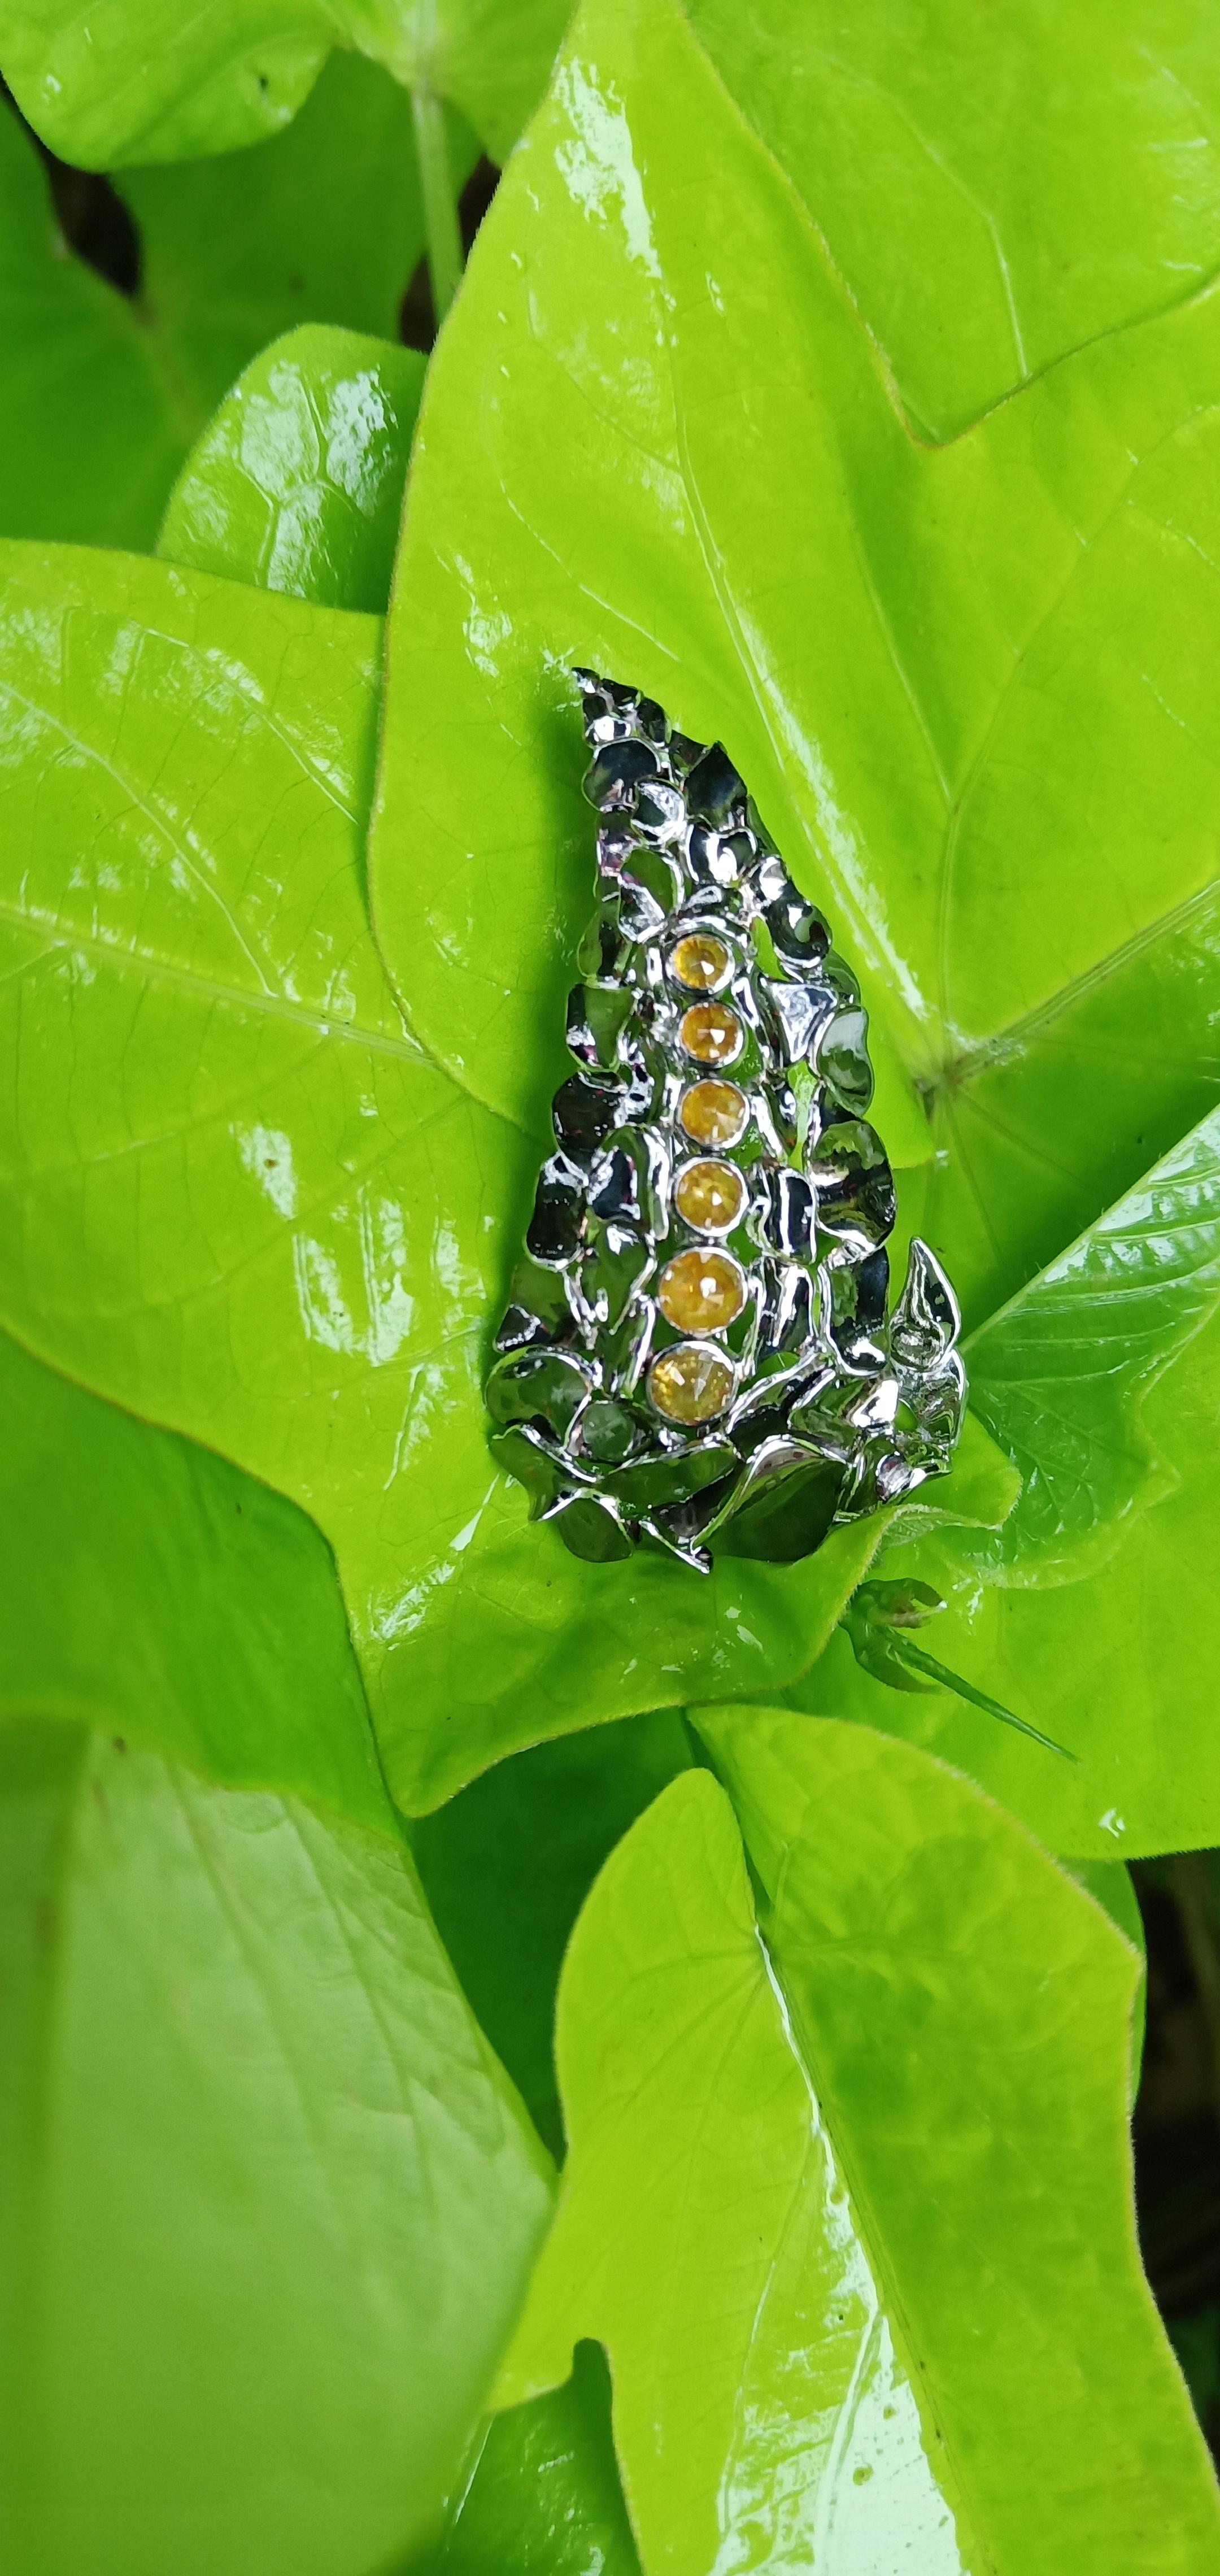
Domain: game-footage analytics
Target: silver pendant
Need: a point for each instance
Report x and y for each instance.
(698, 1355)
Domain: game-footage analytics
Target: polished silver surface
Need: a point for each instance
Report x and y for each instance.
(700, 1355)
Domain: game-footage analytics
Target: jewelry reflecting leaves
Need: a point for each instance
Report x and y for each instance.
(698, 1355)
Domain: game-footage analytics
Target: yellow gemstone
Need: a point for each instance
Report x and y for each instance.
(714, 1113)
(711, 1196)
(700, 962)
(712, 1033)
(701, 1291)
(690, 1384)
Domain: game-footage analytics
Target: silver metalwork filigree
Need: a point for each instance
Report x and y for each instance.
(698, 1355)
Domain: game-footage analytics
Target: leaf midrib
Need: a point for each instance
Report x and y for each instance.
(874, 2245)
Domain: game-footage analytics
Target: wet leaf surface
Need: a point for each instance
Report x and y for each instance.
(544, 2498)
(966, 684)
(251, 1206)
(297, 482)
(872, 2169)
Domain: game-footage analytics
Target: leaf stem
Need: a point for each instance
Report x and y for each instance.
(921, 1663)
(440, 206)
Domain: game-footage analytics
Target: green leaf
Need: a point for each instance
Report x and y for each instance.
(967, 685)
(1092, 1612)
(545, 2499)
(1111, 1883)
(1065, 1375)
(90, 430)
(297, 483)
(243, 1202)
(506, 1867)
(268, 2201)
(167, 1598)
(850, 2203)
(128, 86)
(995, 189)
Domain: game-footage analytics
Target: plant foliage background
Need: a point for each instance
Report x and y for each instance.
(514, 2065)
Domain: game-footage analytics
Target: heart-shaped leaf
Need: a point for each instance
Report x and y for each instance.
(966, 685)
(268, 2200)
(849, 2194)
(297, 482)
(243, 1200)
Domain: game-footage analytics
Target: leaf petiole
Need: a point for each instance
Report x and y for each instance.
(440, 206)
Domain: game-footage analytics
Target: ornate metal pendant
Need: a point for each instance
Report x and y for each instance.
(698, 1355)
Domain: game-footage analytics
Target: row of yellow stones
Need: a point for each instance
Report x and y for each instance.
(703, 1290)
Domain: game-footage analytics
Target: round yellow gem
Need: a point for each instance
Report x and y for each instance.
(710, 1196)
(690, 1384)
(712, 1033)
(700, 962)
(714, 1113)
(701, 1291)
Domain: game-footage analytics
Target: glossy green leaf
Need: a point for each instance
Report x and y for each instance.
(1092, 1612)
(995, 187)
(968, 685)
(91, 430)
(506, 1867)
(544, 2498)
(297, 482)
(1066, 1373)
(850, 2203)
(128, 85)
(268, 2202)
(242, 1200)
